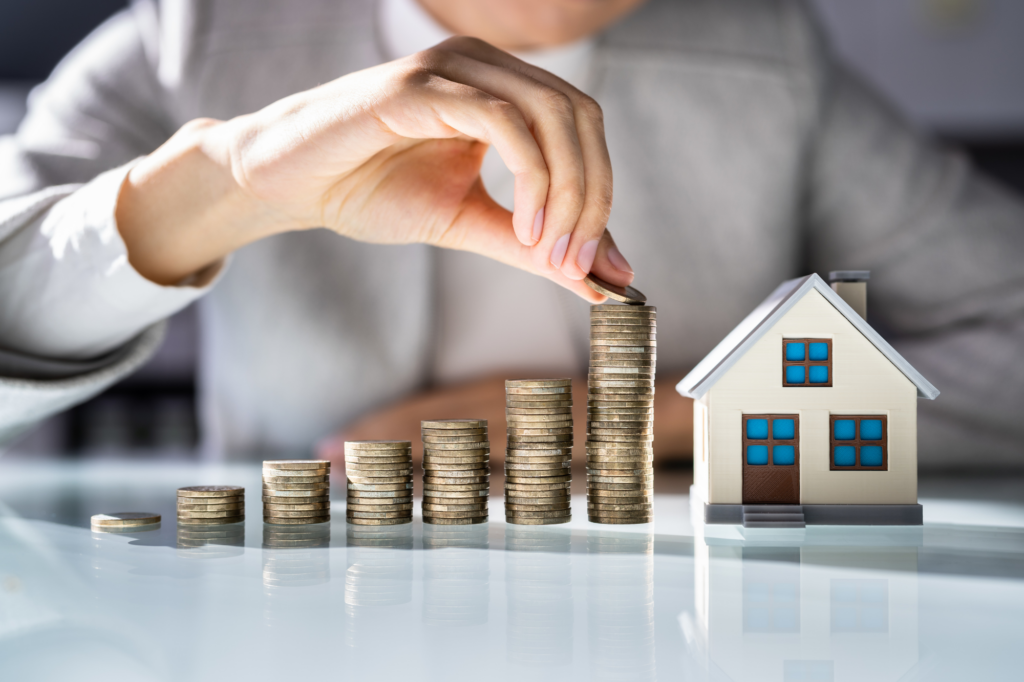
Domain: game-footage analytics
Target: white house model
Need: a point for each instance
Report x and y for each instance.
(804, 414)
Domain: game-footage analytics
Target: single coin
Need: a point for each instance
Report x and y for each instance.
(454, 424)
(539, 452)
(457, 487)
(301, 514)
(378, 445)
(537, 473)
(517, 477)
(606, 521)
(453, 470)
(453, 522)
(533, 383)
(537, 390)
(295, 473)
(210, 522)
(430, 507)
(537, 487)
(453, 432)
(620, 514)
(613, 346)
(594, 438)
(211, 491)
(281, 521)
(378, 515)
(623, 326)
(125, 519)
(185, 514)
(380, 507)
(538, 522)
(297, 464)
(612, 307)
(517, 507)
(614, 291)
(297, 507)
(297, 500)
(185, 506)
(526, 405)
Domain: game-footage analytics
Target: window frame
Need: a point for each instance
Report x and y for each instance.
(807, 363)
(857, 442)
(770, 441)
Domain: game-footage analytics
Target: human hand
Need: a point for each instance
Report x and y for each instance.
(392, 155)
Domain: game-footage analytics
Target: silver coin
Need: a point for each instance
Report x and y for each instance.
(297, 464)
(454, 424)
(211, 491)
(377, 445)
(625, 294)
(296, 500)
(380, 507)
(517, 477)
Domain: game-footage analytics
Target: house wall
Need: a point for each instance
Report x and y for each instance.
(864, 382)
(701, 449)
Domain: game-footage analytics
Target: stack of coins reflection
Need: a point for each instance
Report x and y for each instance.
(295, 555)
(538, 459)
(125, 522)
(378, 587)
(211, 505)
(379, 480)
(456, 471)
(538, 584)
(620, 413)
(211, 541)
(296, 492)
(456, 588)
(620, 605)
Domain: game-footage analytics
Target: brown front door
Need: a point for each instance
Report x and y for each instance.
(771, 459)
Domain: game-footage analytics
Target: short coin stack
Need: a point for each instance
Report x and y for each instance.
(620, 413)
(538, 460)
(296, 491)
(379, 480)
(125, 522)
(211, 505)
(456, 471)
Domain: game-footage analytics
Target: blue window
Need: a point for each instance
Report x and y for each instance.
(783, 429)
(757, 454)
(859, 443)
(757, 429)
(807, 362)
(783, 455)
(770, 440)
(795, 374)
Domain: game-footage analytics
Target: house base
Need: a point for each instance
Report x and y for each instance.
(831, 514)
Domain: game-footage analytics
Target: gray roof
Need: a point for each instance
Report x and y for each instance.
(709, 370)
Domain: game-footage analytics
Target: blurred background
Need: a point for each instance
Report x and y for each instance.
(955, 67)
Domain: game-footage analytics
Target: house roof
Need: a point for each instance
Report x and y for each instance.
(748, 332)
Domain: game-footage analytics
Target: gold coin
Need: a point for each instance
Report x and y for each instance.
(607, 520)
(456, 494)
(641, 506)
(295, 473)
(297, 500)
(379, 493)
(475, 445)
(453, 432)
(516, 477)
(614, 291)
(537, 487)
(281, 521)
(474, 513)
(537, 411)
(210, 507)
(624, 433)
(453, 522)
(451, 459)
(647, 486)
(621, 494)
(210, 522)
(211, 491)
(542, 419)
(378, 466)
(295, 486)
(125, 519)
(186, 514)
(377, 445)
(378, 459)
(537, 390)
(620, 514)
(559, 513)
(477, 508)
(599, 308)
(538, 522)
(378, 515)
(539, 452)
(539, 399)
(534, 383)
(300, 514)
(457, 487)
(621, 402)
(270, 492)
(522, 491)
(378, 480)
(551, 461)
(386, 476)
(454, 439)
(296, 479)
(455, 473)
(379, 507)
(297, 464)
(552, 438)
(465, 480)
(527, 405)
(454, 424)
(530, 466)
(296, 507)
(382, 486)
(520, 504)
(378, 522)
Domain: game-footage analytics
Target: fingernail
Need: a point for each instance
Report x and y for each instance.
(585, 258)
(538, 224)
(558, 253)
(618, 260)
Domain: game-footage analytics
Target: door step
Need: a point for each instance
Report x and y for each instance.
(773, 516)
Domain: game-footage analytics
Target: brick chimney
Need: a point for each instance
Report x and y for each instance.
(852, 287)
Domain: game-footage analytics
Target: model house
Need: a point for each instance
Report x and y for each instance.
(804, 414)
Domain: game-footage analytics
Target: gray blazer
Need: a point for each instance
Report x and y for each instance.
(744, 155)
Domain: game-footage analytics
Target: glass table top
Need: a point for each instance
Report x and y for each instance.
(498, 602)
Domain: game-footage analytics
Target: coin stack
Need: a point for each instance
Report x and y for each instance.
(379, 476)
(125, 522)
(538, 460)
(620, 413)
(456, 471)
(211, 505)
(296, 492)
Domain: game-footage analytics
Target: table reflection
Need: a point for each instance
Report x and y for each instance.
(809, 612)
(210, 542)
(378, 588)
(538, 586)
(620, 605)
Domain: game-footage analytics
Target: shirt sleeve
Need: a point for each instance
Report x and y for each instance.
(67, 289)
(945, 247)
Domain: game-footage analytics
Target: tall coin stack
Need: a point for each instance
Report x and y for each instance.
(211, 505)
(379, 482)
(456, 471)
(296, 492)
(538, 460)
(620, 413)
